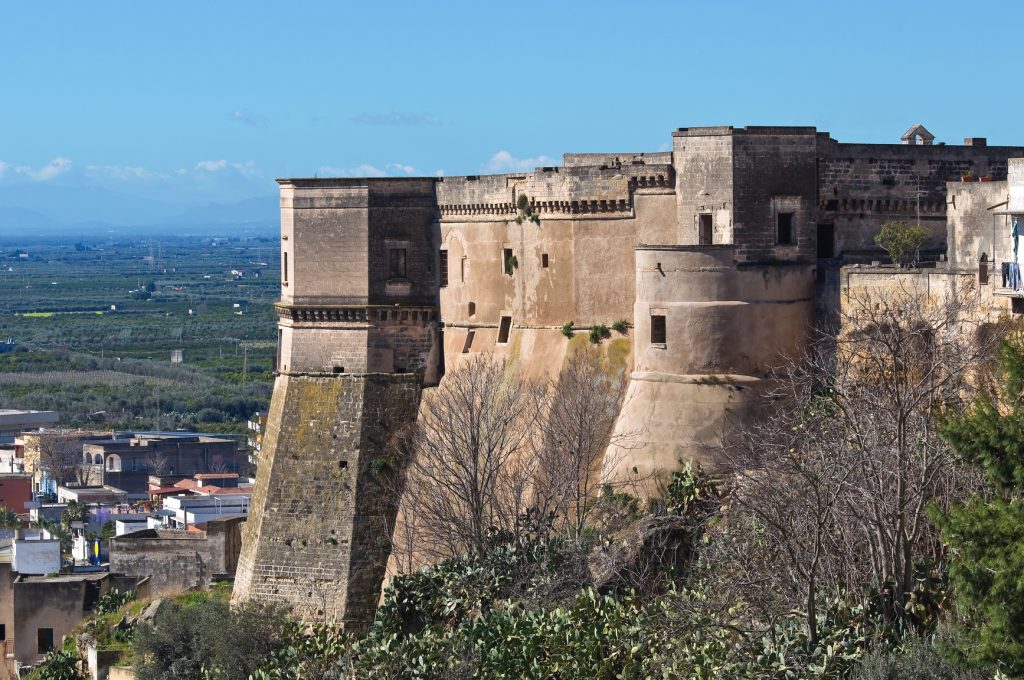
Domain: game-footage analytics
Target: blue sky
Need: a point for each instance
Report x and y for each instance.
(188, 102)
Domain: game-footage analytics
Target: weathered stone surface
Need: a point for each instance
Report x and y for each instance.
(176, 561)
(367, 316)
(147, 615)
(318, 535)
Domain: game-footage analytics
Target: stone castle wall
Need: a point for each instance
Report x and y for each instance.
(862, 186)
(621, 237)
(357, 328)
(727, 326)
(318, 534)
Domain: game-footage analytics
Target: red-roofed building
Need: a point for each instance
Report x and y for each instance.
(203, 484)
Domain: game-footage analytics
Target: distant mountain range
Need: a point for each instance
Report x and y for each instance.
(48, 212)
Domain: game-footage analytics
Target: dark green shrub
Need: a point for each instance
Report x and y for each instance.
(598, 332)
(620, 326)
(112, 601)
(59, 664)
(916, 659)
(188, 639)
(901, 241)
(525, 211)
(567, 329)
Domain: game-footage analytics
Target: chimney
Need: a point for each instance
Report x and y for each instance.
(975, 141)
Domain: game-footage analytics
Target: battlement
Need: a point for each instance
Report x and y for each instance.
(728, 130)
(716, 255)
(570, 160)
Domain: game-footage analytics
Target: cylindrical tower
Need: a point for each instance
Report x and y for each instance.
(707, 331)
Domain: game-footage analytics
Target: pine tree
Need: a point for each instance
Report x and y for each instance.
(986, 534)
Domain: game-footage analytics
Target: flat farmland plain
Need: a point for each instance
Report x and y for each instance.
(94, 326)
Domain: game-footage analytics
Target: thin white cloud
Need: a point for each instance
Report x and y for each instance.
(400, 118)
(364, 170)
(3, 168)
(503, 161)
(367, 170)
(57, 166)
(246, 118)
(246, 168)
(211, 166)
(119, 171)
(402, 168)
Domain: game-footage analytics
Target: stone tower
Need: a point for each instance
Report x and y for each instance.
(716, 254)
(357, 339)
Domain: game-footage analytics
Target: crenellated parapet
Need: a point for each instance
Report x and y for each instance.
(716, 254)
(555, 193)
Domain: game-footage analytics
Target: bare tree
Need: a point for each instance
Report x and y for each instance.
(60, 457)
(156, 463)
(471, 464)
(838, 475)
(790, 486)
(576, 431)
(904, 359)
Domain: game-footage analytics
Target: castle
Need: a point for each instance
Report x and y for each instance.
(719, 254)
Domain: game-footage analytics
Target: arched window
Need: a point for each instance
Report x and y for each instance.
(98, 459)
(113, 463)
(86, 458)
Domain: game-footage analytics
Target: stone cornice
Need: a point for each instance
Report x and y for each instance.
(356, 313)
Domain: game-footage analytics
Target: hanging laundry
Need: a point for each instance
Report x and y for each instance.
(1014, 234)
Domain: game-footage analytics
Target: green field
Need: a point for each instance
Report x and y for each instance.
(94, 327)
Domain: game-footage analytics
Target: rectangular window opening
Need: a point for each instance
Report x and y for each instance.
(544, 260)
(507, 261)
(284, 267)
(468, 345)
(784, 222)
(705, 230)
(504, 328)
(658, 335)
(1017, 305)
(3, 631)
(463, 274)
(396, 265)
(826, 240)
(277, 357)
(440, 354)
(44, 639)
(444, 268)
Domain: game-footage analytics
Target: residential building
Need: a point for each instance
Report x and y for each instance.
(193, 510)
(127, 460)
(176, 561)
(14, 422)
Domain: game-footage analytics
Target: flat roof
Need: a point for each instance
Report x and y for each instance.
(62, 578)
(224, 490)
(13, 417)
